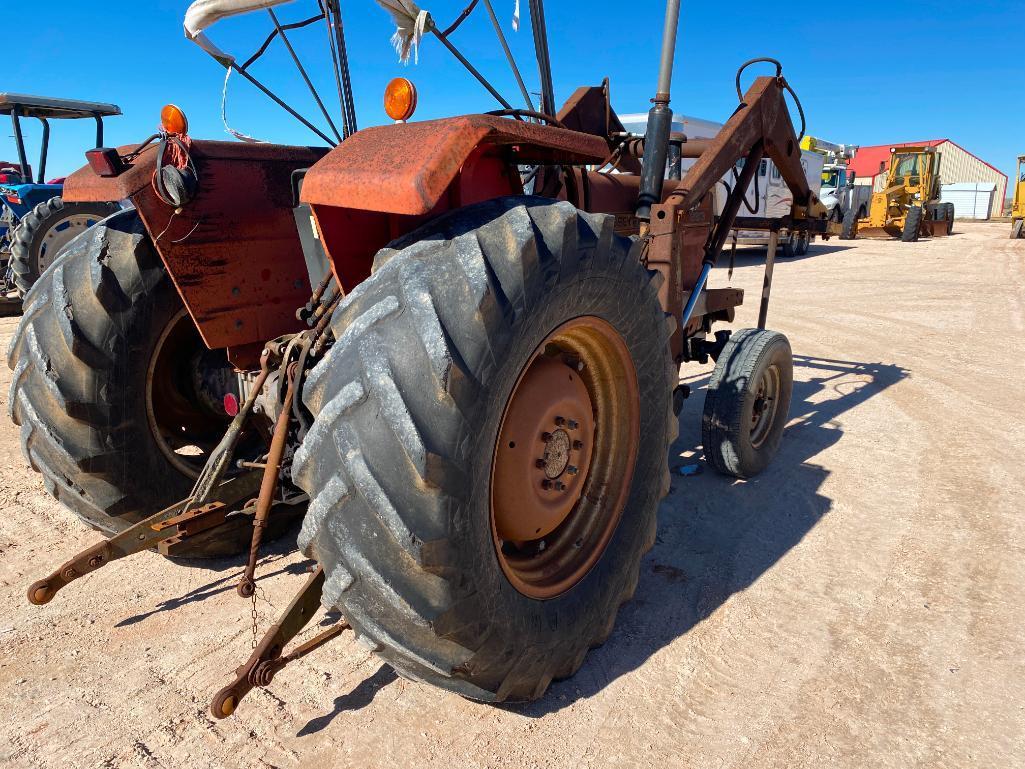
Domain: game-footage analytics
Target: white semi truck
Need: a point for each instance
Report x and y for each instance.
(767, 196)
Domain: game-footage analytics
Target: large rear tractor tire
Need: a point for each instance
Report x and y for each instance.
(1018, 229)
(490, 445)
(45, 231)
(748, 402)
(912, 224)
(112, 387)
(949, 210)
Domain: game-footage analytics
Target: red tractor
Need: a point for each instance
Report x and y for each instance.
(473, 386)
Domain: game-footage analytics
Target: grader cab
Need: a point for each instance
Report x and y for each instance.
(908, 205)
(468, 391)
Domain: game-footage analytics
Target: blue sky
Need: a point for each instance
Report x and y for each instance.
(943, 70)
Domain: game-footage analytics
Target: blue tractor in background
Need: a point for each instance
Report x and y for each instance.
(35, 223)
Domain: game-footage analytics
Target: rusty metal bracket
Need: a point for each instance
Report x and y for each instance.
(268, 486)
(157, 530)
(267, 658)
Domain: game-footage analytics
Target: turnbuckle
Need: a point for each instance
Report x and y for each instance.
(267, 658)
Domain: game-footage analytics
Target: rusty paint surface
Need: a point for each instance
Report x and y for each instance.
(406, 169)
(234, 252)
(352, 236)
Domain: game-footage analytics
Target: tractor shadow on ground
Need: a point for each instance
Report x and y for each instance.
(279, 548)
(357, 699)
(717, 535)
(748, 256)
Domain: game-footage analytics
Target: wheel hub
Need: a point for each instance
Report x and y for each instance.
(564, 457)
(544, 450)
(763, 411)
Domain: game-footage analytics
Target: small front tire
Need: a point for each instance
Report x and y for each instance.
(748, 402)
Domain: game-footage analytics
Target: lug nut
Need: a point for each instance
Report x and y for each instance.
(572, 469)
(560, 486)
(539, 464)
(559, 421)
(572, 424)
(578, 445)
(546, 436)
(546, 484)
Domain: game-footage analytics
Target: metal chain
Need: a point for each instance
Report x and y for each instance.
(256, 630)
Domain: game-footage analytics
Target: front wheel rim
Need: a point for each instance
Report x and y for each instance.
(60, 233)
(765, 405)
(564, 457)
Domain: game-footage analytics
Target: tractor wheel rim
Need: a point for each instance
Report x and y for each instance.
(184, 432)
(60, 234)
(564, 457)
(766, 402)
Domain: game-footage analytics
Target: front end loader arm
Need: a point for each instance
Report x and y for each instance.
(760, 127)
(761, 117)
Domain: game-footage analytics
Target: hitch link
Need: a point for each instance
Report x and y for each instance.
(156, 530)
(267, 659)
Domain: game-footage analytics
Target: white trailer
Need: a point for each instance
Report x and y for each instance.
(767, 196)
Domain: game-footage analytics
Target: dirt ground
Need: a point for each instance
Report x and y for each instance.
(860, 604)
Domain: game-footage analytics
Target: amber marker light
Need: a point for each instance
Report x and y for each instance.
(400, 99)
(173, 120)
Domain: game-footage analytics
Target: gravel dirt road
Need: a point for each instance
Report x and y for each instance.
(859, 604)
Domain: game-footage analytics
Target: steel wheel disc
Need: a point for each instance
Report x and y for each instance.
(763, 412)
(564, 457)
(60, 234)
(182, 414)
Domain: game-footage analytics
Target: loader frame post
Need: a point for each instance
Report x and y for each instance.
(770, 260)
(660, 121)
(717, 237)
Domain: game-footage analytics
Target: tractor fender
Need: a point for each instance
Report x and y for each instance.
(233, 252)
(407, 168)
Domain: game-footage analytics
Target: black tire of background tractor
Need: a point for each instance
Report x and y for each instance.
(787, 249)
(912, 225)
(408, 406)
(1017, 229)
(29, 249)
(79, 359)
(802, 244)
(949, 210)
(849, 231)
(732, 400)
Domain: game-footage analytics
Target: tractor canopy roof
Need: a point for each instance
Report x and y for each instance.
(47, 107)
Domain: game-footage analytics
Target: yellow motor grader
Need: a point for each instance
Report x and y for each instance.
(908, 205)
(1018, 207)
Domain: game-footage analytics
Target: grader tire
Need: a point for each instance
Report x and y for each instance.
(747, 402)
(849, 231)
(416, 409)
(44, 232)
(912, 225)
(78, 390)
